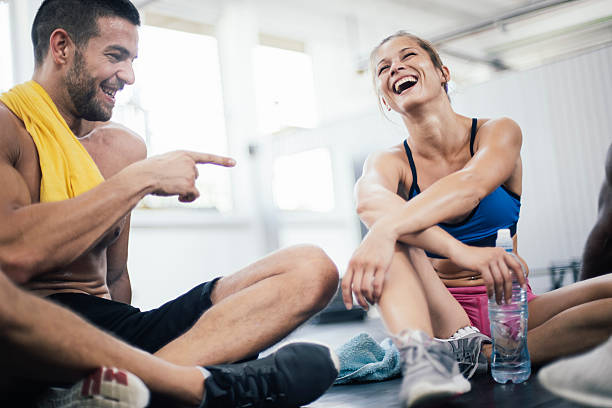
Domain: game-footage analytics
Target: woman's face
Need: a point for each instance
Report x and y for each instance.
(405, 75)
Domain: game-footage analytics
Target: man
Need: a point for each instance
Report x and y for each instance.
(597, 256)
(65, 215)
(585, 378)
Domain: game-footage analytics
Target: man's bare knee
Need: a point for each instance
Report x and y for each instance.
(318, 276)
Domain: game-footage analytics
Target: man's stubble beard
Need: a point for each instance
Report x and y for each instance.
(82, 90)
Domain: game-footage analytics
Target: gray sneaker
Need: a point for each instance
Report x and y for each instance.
(429, 369)
(466, 346)
(584, 378)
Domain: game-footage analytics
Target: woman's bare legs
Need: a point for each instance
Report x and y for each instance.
(447, 315)
(413, 297)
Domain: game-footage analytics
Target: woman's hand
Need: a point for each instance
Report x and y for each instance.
(366, 270)
(496, 267)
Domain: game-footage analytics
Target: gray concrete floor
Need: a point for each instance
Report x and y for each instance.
(485, 392)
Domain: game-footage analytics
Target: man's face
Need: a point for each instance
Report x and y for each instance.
(101, 68)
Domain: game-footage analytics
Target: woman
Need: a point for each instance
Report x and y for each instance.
(446, 190)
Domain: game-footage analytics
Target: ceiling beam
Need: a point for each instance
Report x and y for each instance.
(497, 21)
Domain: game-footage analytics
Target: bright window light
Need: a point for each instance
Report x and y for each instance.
(284, 88)
(6, 67)
(177, 104)
(303, 181)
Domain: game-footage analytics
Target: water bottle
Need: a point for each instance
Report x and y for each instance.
(510, 358)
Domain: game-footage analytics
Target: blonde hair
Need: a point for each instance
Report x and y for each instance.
(427, 46)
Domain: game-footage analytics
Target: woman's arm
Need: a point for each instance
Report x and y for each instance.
(493, 164)
(368, 265)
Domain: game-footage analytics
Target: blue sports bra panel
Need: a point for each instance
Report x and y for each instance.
(500, 209)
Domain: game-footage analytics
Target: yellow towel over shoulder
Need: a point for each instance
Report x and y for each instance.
(67, 168)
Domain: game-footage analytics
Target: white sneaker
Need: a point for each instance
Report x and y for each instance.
(585, 378)
(430, 370)
(105, 388)
(466, 346)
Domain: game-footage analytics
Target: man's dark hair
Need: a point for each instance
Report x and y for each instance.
(78, 17)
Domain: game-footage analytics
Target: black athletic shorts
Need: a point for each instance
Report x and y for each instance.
(150, 330)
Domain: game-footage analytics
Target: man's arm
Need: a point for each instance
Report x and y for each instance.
(122, 147)
(597, 255)
(36, 238)
(41, 341)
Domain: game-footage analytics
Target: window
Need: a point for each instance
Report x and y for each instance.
(284, 89)
(303, 181)
(176, 103)
(6, 67)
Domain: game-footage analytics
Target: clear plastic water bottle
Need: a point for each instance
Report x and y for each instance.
(510, 359)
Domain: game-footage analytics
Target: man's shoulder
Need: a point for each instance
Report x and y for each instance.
(118, 140)
(113, 147)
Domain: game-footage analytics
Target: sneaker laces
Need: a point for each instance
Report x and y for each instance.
(467, 350)
(412, 350)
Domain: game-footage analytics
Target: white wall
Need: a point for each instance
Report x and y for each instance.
(172, 251)
(564, 112)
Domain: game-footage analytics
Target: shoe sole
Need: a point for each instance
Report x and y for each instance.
(105, 388)
(427, 392)
(572, 395)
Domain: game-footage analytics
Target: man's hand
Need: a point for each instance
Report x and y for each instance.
(175, 173)
(496, 267)
(368, 266)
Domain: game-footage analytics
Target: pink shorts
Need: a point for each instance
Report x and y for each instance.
(474, 301)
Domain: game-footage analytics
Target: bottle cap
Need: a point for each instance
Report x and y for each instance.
(503, 233)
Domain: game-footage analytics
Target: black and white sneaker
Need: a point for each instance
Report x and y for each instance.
(294, 375)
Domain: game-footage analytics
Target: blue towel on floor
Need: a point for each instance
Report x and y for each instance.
(362, 359)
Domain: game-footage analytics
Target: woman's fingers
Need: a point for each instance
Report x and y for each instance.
(377, 285)
(507, 277)
(498, 283)
(366, 285)
(347, 291)
(517, 268)
(357, 278)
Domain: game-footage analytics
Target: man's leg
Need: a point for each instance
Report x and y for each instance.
(257, 306)
(570, 320)
(43, 342)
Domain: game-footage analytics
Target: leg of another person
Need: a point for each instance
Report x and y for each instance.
(584, 378)
(570, 319)
(257, 306)
(43, 342)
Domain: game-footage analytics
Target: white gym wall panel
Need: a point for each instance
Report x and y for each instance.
(564, 112)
